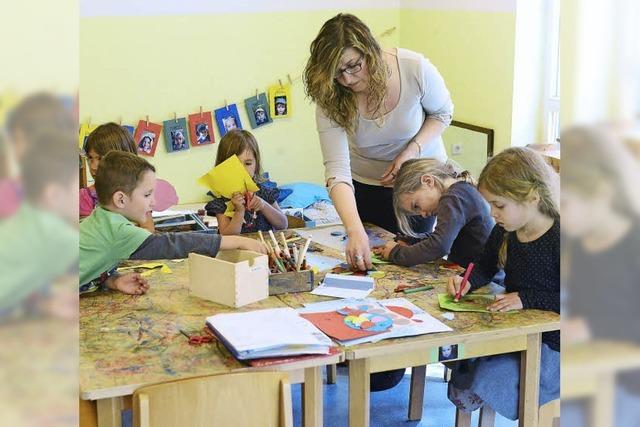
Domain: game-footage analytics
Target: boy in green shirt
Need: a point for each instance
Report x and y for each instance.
(125, 184)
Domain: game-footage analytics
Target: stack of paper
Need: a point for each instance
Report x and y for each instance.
(352, 321)
(268, 333)
(345, 286)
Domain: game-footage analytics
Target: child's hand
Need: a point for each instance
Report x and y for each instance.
(238, 202)
(454, 285)
(252, 245)
(384, 251)
(129, 283)
(506, 302)
(256, 204)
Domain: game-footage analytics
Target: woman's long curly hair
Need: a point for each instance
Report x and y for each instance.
(339, 103)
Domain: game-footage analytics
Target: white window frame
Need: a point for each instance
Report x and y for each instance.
(551, 97)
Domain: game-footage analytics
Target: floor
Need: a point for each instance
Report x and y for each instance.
(389, 407)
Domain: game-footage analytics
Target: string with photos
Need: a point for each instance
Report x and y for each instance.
(289, 80)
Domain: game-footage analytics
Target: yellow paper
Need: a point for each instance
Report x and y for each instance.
(227, 178)
(150, 266)
(85, 130)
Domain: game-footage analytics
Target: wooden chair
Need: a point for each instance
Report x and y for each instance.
(548, 416)
(242, 399)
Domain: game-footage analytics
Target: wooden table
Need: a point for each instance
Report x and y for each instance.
(480, 334)
(589, 372)
(128, 342)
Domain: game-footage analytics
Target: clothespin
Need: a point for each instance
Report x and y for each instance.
(147, 120)
(225, 104)
(201, 111)
(120, 121)
(257, 99)
(175, 119)
(289, 78)
(280, 81)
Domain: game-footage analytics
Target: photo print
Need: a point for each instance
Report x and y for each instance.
(176, 135)
(258, 110)
(280, 101)
(201, 128)
(227, 118)
(146, 136)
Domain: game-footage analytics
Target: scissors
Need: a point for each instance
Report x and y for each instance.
(197, 339)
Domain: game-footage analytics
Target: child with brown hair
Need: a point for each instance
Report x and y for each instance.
(258, 211)
(523, 192)
(125, 185)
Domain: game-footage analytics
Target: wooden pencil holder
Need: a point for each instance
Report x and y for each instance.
(290, 282)
(233, 278)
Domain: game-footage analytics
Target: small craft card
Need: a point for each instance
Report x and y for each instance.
(280, 101)
(130, 128)
(258, 110)
(176, 134)
(146, 136)
(201, 128)
(471, 302)
(85, 130)
(227, 178)
(227, 118)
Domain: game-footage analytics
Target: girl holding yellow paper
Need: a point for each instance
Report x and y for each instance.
(246, 211)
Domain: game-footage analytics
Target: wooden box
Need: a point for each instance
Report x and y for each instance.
(233, 278)
(291, 281)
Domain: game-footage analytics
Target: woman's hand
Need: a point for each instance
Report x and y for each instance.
(238, 201)
(390, 173)
(506, 302)
(385, 251)
(357, 252)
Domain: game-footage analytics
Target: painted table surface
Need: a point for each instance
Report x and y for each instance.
(127, 340)
(130, 340)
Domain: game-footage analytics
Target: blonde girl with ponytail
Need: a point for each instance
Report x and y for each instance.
(523, 193)
(429, 187)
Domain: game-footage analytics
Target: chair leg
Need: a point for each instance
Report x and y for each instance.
(416, 392)
(487, 417)
(463, 418)
(332, 373)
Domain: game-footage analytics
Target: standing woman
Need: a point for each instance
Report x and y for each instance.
(376, 109)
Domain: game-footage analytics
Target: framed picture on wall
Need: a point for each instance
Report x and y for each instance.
(280, 101)
(201, 128)
(227, 118)
(258, 110)
(146, 136)
(176, 134)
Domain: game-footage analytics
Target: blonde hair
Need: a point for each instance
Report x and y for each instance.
(520, 174)
(235, 142)
(339, 103)
(409, 180)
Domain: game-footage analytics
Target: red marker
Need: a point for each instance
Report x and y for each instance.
(464, 282)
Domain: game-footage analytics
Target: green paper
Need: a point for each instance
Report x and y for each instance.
(474, 302)
(376, 260)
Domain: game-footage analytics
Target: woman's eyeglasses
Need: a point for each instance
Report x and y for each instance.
(350, 70)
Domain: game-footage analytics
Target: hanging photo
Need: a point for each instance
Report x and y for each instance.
(176, 134)
(85, 130)
(227, 118)
(280, 101)
(129, 128)
(258, 110)
(146, 136)
(201, 128)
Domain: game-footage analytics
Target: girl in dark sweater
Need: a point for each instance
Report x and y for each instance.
(523, 192)
(428, 187)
